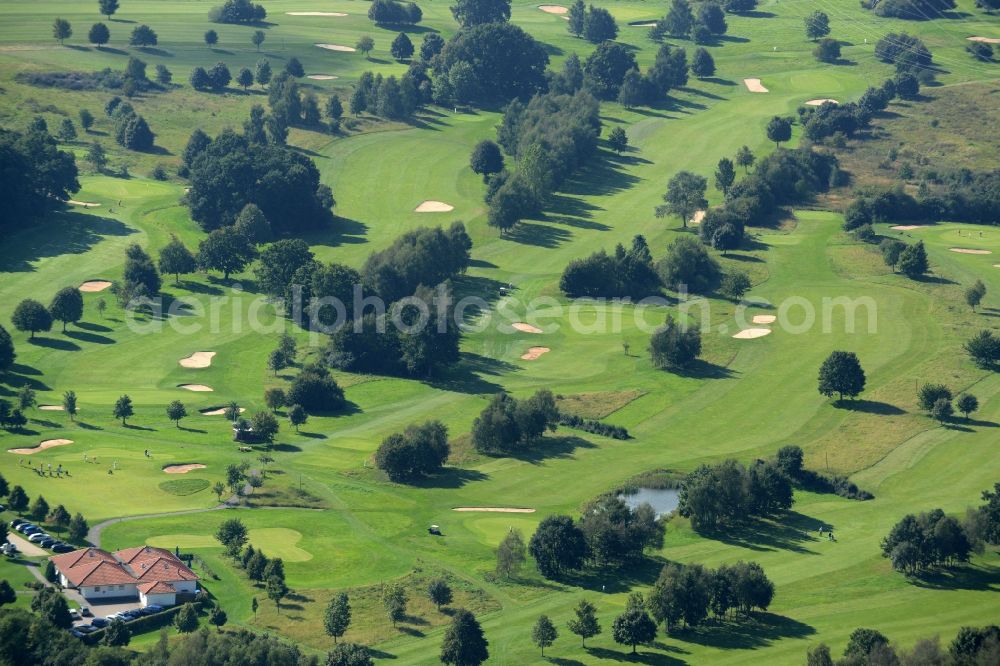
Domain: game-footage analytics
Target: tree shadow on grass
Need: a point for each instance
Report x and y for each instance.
(642, 572)
(90, 337)
(381, 654)
(61, 232)
(470, 374)
(870, 407)
(87, 426)
(964, 577)
(342, 231)
(94, 328)
(789, 531)
(54, 343)
(625, 655)
(552, 447)
(757, 631)
(601, 175)
(449, 477)
(702, 369)
(132, 426)
(531, 233)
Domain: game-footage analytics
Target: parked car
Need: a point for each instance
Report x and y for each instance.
(75, 631)
(38, 536)
(129, 615)
(86, 628)
(62, 548)
(17, 521)
(85, 611)
(24, 527)
(74, 613)
(154, 608)
(9, 549)
(99, 622)
(47, 542)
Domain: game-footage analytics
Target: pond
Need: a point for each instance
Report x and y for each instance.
(663, 500)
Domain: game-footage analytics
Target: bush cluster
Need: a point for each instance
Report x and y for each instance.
(593, 426)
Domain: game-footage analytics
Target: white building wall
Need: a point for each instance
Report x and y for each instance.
(164, 599)
(109, 591)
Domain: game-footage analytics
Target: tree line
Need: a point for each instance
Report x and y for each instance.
(729, 494)
(972, 646)
(508, 425)
(38, 176)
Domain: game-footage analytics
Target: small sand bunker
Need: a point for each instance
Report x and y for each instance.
(201, 359)
(907, 227)
(51, 408)
(699, 215)
(821, 102)
(182, 469)
(642, 24)
(525, 328)
(751, 333)
(433, 207)
(337, 47)
(201, 388)
(217, 411)
(493, 509)
(85, 204)
(315, 14)
(764, 319)
(754, 86)
(321, 77)
(534, 352)
(554, 9)
(94, 285)
(984, 40)
(47, 444)
(965, 250)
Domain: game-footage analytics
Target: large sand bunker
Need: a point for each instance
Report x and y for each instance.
(85, 204)
(907, 227)
(201, 388)
(751, 333)
(337, 47)
(433, 207)
(51, 408)
(182, 469)
(315, 14)
(534, 352)
(754, 86)
(699, 215)
(94, 285)
(525, 328)
(984, 40)
(554, 9)
(321, 77)
(965, 250)
(217, 411)
(764, 319)
(493, 509)
(201, 359)
(821, 102)
(47, 444)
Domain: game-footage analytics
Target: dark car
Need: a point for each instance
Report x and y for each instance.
(153, 608)
(24, 528)
(75, 631)
(62, 548)
(85, 628)
(99, 622)
(85, 611)
(47, 542)
(17, 521)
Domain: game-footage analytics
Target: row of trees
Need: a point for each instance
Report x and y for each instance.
(626, 273)
(37, 176)
(40, 512)
(508, 425)
(972, 645)
(32, 317)
(686, 594)
(550, 137)
(237, 11)
(930, 539)
(700, 24)
(142, 35)
(962, 196)
(417, 451)
(390, 12)
(726, 494)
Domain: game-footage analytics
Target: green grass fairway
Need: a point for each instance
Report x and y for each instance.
(337, 523)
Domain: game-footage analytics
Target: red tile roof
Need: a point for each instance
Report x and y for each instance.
(156, 587)
(98, 573)
(163, 569)
(79, 557)
(140, 553)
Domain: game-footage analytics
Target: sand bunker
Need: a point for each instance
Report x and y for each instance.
(754, 86)
(47, 444)
(534, 352)
(907, 227)
(217, 411)
(493, 509)
(85, 204)
(321, 77)
(51, 408)
(984, 40)
(201, 359)
(315, 13)
(764, 319)
(337, 47)
(963, 250)
(201, 388)
(94, 285)
(433, 207)
(642, 24)
(821, 102)
(525, 328)
(751, 333)
(554, 9)
(182, 469)
(699, 215)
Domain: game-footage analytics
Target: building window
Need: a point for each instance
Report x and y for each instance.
(97, 588)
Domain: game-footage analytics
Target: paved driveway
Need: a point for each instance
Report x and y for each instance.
(26, 547)
(100, 609)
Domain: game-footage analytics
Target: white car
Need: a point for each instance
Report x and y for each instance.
(38, 536)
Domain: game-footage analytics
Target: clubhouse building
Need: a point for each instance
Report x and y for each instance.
(151, 575)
